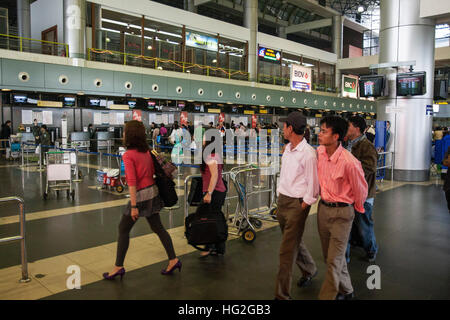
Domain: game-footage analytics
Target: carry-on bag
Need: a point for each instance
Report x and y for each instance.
(205, 227)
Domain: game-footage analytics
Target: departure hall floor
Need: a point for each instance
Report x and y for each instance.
(412, 227)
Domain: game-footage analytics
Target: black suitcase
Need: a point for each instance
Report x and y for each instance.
(205, 227)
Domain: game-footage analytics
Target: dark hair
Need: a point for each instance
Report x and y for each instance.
(359, 122)
(337, 124)
(207, 143)
(175, 125)
(7, 121)
(44, 127)
(135, 136)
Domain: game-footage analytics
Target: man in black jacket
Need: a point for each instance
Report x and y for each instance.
(5, 133)
(446, 162)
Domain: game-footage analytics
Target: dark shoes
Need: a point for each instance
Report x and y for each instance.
(306, 281)
(371, 256)
(349, 296)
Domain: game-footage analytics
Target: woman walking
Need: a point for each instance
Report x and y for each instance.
(214, 190)
(144, 199)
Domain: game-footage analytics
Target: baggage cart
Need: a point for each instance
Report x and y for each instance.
(59, 173)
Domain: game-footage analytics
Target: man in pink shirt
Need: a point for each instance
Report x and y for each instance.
(342, 186)
(298, 189)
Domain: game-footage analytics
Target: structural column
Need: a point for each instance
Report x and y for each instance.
(251, 22)
(282, 32)
(75, 27)
(404, 36)
(24, 18)
(189, 5)
(338, 30)
(98, 25)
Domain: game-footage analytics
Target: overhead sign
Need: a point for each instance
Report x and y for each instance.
(271, 55)
(350, 86)
(200, 41)
(249, 112)
(300, 78)
(52, 104)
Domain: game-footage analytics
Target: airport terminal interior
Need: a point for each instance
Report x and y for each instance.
(74, 72)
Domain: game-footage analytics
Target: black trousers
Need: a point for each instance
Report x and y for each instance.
(447, 196)
(217, 201)
(125, 226)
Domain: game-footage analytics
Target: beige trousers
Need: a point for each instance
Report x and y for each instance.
(292, 220)
(334, 226)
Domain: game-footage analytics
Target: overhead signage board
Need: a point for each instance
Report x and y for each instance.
(300, 78)
(202, 42)
(270, 55)
(350, 86)
(52, 104)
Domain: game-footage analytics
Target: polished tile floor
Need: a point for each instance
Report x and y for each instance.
(412, 227)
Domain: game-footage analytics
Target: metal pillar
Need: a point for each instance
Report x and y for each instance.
(281, 31)
(251, 22)
(190, 6)
(404, 36)
(75, 27)
(338, 27)
(98, 26)
(24, 18)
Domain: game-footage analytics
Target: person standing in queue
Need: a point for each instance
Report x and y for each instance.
(365, 152)
(36, 130)
(342, 186)
(144, 199)
(214, 189)
(45, 141)
(298, 189)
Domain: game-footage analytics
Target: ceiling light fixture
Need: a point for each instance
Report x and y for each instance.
(361, 8)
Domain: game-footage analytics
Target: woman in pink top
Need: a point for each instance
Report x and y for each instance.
(144, 199)
(214, 189)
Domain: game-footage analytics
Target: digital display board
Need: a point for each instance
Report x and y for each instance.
(266, 54)
(371, 86)
(411, 84)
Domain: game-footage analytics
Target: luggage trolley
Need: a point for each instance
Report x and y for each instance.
(245, 221)
(115, 178)
(15, 149)
(59, 173)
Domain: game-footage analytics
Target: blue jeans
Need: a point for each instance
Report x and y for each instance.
(362, 233)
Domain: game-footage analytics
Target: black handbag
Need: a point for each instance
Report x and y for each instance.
(196, 192)
(205, 227)
(165, 184)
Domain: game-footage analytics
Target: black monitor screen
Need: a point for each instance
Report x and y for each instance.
(371, 86)
(94, 102)
(20, 99)
(69, 101)
(411, 84)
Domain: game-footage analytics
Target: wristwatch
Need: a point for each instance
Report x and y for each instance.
(210, 193)
(133, 207)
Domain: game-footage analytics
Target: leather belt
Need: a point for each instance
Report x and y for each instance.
(335, 204)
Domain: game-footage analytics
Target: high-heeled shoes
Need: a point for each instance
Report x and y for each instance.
(120, 273)
(171, 270)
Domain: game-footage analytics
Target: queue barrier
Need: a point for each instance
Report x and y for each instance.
(21, 237)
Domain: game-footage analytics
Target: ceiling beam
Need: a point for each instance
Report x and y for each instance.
(200, 2)
(314, 7)
(309, 25)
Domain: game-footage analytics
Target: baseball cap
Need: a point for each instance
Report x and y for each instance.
(296, 120)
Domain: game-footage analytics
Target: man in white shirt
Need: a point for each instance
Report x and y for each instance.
(298, 189)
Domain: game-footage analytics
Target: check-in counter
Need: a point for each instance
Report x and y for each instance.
(103, 138)
(80, 140)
